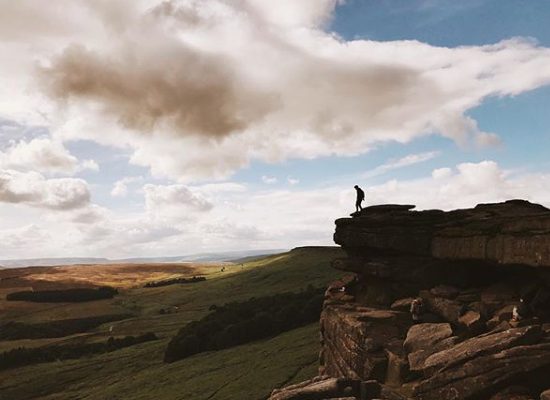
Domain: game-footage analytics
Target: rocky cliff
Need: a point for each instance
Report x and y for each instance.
(438, 306)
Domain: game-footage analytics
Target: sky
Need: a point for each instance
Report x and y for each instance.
(171, 127)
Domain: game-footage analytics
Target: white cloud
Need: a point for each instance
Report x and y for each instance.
(90, 214)
(269, 180)
(43, 155)
(172, 201)
(292, 181)
(176, 220)
(120, 188)
(441, 173)
(33, 189)
(225, 187)
(198, 89)
(89, 165)
(401, 163)
(468, 185)
(23, 238)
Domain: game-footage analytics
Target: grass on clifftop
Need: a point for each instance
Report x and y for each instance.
(247, 372)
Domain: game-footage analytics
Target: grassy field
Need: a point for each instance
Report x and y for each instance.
(248, 372)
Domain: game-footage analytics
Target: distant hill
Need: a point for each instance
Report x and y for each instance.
(50, 262)
(199, 257)
(233, 255)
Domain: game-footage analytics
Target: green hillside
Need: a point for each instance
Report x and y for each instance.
(247, 372)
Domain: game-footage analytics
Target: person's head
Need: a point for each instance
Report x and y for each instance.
(356, 187)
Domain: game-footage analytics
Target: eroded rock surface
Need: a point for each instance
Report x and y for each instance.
(462, 275)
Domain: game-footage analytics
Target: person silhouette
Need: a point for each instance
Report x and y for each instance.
(360, 198)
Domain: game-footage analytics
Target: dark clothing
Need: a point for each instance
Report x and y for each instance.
(360, 198)
(360, 195)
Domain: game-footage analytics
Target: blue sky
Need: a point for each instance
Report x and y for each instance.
(522, 122)
(191, 126)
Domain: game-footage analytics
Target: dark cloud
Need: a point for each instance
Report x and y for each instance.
(158, 85)
(201, 88)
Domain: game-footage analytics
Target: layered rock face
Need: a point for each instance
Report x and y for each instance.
(440, 306)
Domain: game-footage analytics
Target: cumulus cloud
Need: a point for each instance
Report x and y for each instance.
(200, 88)
(43, 155)
(23, 238)
(466, 185)
(90, 214)
(120, 188)
(166, 201)
(39, 154)
(89, 165)
(269, 180)
(176, 220)
(33, 189)
(441, 173)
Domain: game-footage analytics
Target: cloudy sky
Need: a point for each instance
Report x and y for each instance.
(151, 127)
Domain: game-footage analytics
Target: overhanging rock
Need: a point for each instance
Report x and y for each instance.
(513, 232)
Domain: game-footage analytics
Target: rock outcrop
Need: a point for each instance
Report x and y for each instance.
(438, 306)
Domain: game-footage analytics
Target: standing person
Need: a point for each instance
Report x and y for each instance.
(360, 198)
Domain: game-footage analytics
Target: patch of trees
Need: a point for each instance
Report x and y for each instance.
(242, 322)
(24, 356)
(175, 281)
(76, 295)
(54, 329)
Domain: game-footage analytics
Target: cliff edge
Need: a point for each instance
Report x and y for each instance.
(438, 306)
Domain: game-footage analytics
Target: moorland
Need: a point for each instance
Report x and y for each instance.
(96, 349)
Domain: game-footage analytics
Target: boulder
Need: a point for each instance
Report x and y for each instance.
(398, 369)
(356, 340)
(472, 378)
(423, 340)
(320, 388)
(489, 343)
(472, 322)
(450, 310)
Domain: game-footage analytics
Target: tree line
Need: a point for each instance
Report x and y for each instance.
(175, 281)
(241, 322)
(76, 295)
(54, 329)
(23, 356)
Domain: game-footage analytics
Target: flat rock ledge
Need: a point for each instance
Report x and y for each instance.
(437, 306)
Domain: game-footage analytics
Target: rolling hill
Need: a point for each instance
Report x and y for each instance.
(249, 371)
